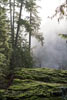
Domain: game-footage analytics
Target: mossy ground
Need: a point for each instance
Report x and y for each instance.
(36, 84)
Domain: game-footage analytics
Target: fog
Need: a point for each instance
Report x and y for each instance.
(54, 52)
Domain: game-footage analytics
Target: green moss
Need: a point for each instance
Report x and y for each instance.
(37, 84)
(2, 96)
(43, 74)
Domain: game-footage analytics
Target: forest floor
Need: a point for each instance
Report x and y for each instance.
(36, 84)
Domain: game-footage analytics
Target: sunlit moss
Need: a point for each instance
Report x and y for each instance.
(37, 84)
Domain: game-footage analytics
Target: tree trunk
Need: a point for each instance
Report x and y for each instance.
(13, 22)
(10, 16)
(12, 12)
(30, 33)
(18, 26)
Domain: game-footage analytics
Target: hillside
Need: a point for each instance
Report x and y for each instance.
(36, 84)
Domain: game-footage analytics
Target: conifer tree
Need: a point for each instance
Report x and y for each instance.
(34, 21)
(4, 44)
(18, 23)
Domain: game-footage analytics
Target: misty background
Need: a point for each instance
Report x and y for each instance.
(54, 52)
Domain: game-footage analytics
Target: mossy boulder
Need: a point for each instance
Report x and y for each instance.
(37, 84)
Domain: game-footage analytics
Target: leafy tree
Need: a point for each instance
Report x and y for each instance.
(18, 23)
(34, 21)
(63, 13)
(4, 45)
(22, 56)
(14, 26)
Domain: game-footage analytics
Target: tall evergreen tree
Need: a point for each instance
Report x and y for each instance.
(34, 21)
(17, 23)
(4, 44)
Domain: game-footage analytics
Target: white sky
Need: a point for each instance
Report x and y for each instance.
(51, 29)
(48, 8)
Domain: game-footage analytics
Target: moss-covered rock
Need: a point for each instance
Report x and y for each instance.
(43, 74)
(37, 84)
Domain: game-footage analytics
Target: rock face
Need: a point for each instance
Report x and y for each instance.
(36, 84)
